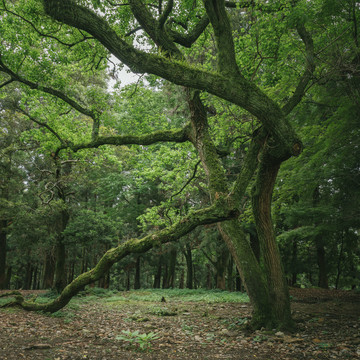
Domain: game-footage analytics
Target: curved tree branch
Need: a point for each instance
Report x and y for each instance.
(308, 73)
(219, 211)
(51, 91)
(187, 182)
(235, 89)
(188, 39)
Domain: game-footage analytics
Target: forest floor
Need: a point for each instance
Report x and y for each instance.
(91, 327)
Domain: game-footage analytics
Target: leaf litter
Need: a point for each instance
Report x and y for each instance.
(327, 328)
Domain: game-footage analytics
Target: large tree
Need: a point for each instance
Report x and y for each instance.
(253, 42)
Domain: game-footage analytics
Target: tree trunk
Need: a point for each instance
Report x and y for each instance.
(238, 283)
(189, 266)
(137, 274)
(323, 280)
(261, 204)
(49, 271)
(230, 277)
(220, 266)
(294, 263)
(3, 250)
(60, 251)
(35, 278)
(165, 284)
(172, 268)
(265, 312)
(208, 277)
(60, 271)
(157, 277)
(340, 261)
(8, 277)
(28, 276)
(182, 279)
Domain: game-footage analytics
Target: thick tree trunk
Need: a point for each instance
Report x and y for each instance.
(49, 271)
(250, 272)
(60, 251)
(231, 231)
(261, 203)
(28, 276)
(3, 226)
(321, 260)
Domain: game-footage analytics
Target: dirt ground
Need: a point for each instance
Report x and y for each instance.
(327, 321)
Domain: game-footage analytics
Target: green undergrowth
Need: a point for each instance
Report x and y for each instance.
(139, 296)
(179, 295)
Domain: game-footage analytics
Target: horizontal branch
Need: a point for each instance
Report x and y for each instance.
(219, 211)
(177, 135)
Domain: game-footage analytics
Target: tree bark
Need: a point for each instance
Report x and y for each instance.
(261, 204)
(172, 269)
(321, 260)
(137, 284)
(189, 266)
(3, 251)
(49, 271)
(157, 277)
(231, 231)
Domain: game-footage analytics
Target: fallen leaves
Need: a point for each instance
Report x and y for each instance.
(89, 330)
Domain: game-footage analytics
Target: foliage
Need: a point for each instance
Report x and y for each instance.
(136, 338)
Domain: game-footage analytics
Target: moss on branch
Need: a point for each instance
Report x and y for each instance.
(219, 211)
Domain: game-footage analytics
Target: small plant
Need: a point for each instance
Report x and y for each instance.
(259, 338)
(162, 311)
(134, 338)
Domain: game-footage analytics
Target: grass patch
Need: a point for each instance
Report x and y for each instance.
(178, 295)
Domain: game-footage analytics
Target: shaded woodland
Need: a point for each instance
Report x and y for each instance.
(231, 163)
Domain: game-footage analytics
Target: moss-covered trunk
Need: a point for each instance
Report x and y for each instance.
(261, 203)
(231, 231)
